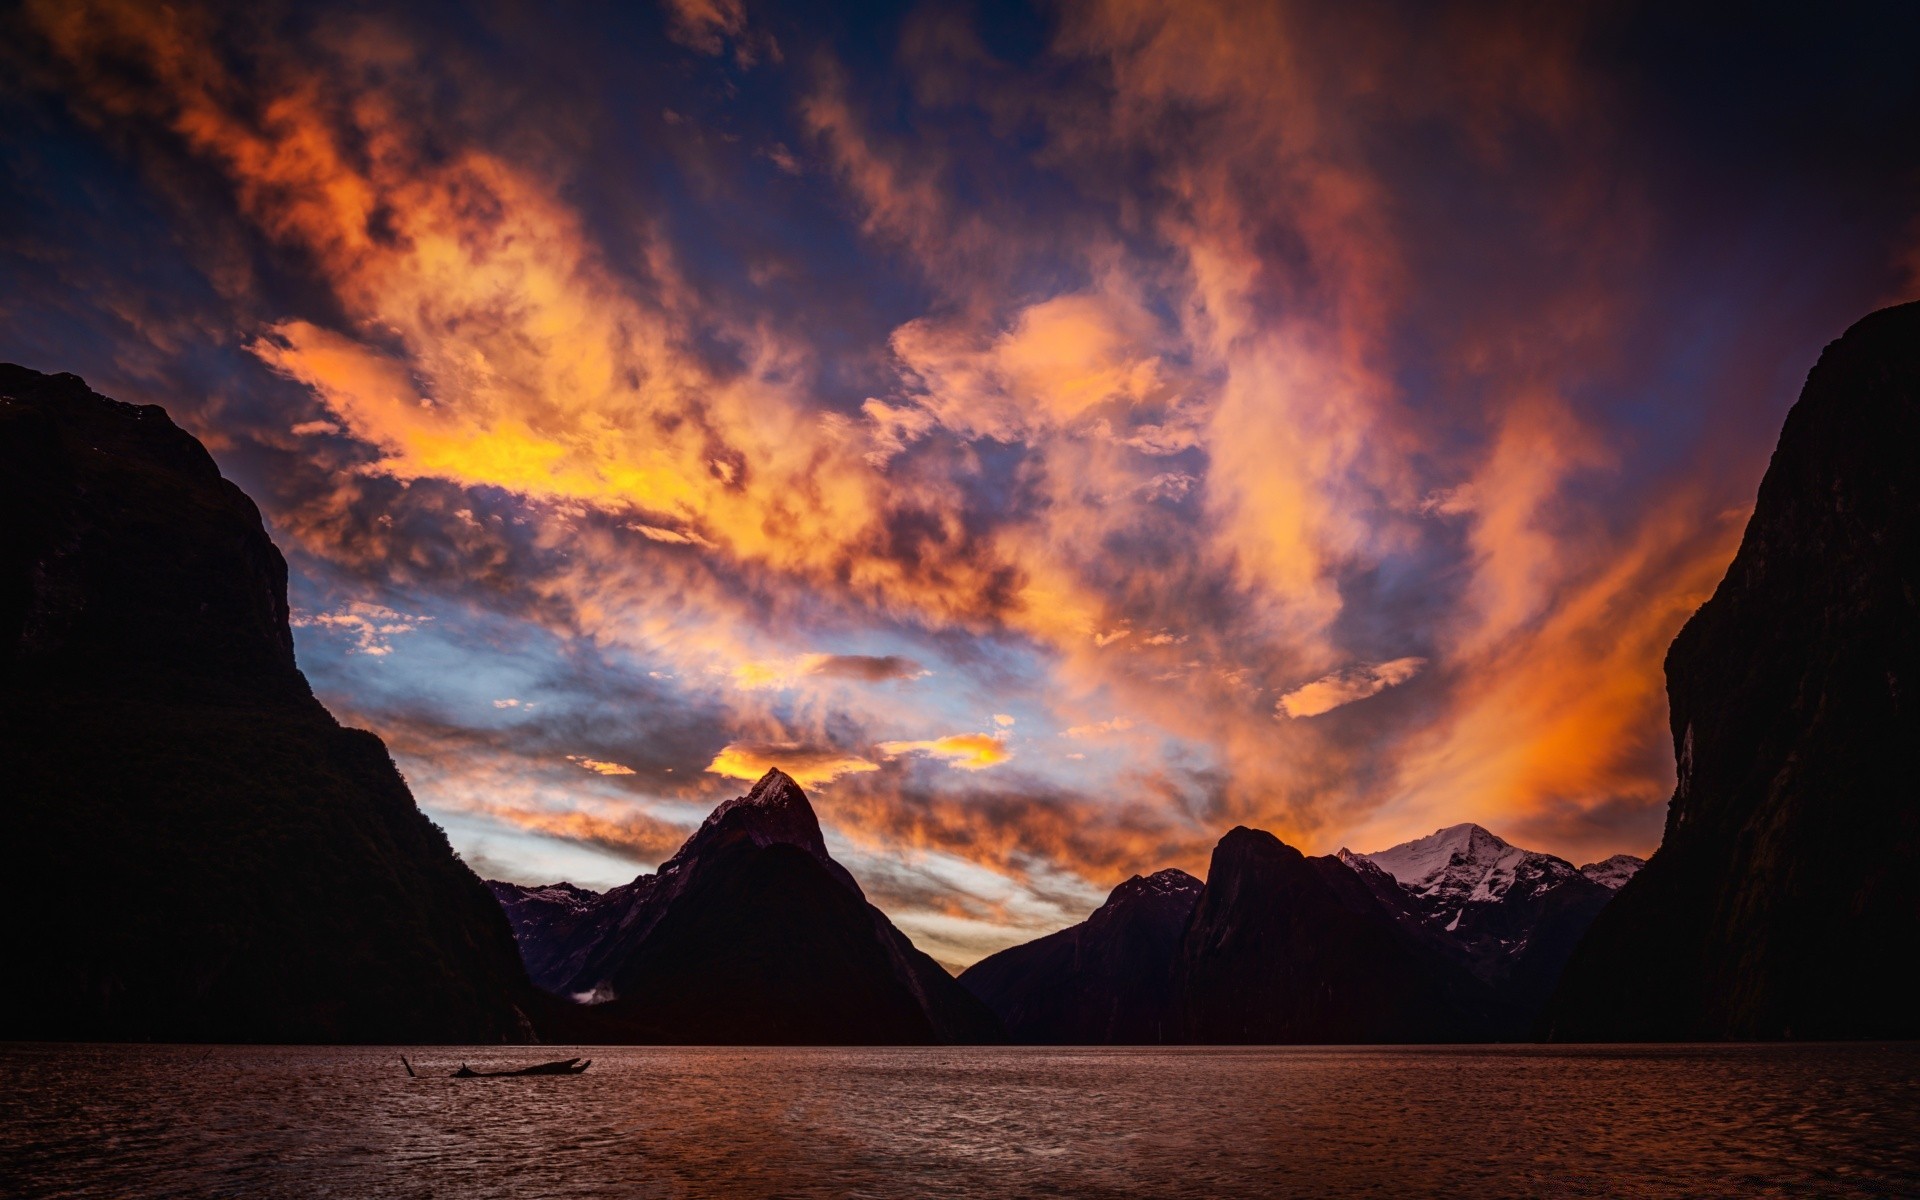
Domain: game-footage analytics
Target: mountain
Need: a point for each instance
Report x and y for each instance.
(750, 934)
(1286, 948)
(1784, 900)
(1454, 936)
(199, 851)
(1105, 981)
(1513, 916)
(1613, 873)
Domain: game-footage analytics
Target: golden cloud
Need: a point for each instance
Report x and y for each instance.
(968, 751)
(808, 765)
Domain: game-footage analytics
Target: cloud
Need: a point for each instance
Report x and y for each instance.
(809, 765)
(858, 668)
(1060, 360)
(1347, 685)
(1098, 729)
(968, 751)
(865, 668)
(636, 837)
(600, 766)
(1024, 832)
(371, 625)
(704, 25)
(672, 537)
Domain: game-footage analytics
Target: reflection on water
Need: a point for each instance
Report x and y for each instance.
(1508, 1121)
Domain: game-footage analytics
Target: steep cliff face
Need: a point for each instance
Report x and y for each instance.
(1105, 981)
(199, 851)
(1784, 900)
(1285, 948)
(750, 934)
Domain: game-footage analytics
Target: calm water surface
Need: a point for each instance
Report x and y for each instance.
(1639, 1121)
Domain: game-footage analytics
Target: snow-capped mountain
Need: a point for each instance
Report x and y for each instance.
(1513, 914)
(1614, 872)
(1466, 865)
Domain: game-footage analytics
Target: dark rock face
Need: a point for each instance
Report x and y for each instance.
(1784, 900)
(1283, 949)
(200, 852)
(1105, 981)
(1511, 916)
(749, 935)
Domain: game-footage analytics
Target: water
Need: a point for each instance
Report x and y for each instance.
(644, 1122)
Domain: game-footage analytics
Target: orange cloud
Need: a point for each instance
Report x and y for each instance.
(808, 765)
(968, 751)
(1346, 686)
(1019, 835)
(599, 766)
(1551, 727)
(632, 836)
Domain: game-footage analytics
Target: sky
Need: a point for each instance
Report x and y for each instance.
(1054, 434)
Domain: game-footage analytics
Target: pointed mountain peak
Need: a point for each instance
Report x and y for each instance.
(775, 789)
(1170, 882)
(1468, 834)
(774, 810)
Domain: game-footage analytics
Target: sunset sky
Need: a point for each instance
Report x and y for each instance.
(1055, 435)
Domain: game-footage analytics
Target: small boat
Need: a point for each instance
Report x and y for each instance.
(565, 1066)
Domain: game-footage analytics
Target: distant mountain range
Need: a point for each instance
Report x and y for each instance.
(1452, 937)
(200, 852)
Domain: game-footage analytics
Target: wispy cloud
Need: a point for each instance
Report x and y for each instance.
(1347, 685)
(371, 626)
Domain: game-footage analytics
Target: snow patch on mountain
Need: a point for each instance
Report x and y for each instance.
(1465, 864)
(1614, 872)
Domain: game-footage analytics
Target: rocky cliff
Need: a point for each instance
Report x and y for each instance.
(198, 850)
(1784, 900)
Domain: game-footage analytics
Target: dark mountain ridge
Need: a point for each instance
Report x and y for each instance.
(1784, 900)
(1460, 941)
(750, 934)
(1105, 981)
(201, 852)
(1282, 948)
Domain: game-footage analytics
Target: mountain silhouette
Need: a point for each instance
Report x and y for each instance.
(1784, 900)
(750, 934)
(199, 850)
(1106, 981)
